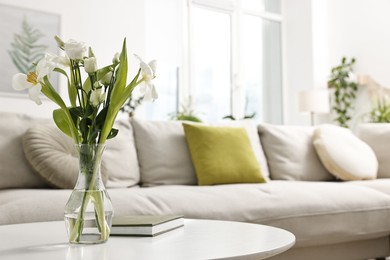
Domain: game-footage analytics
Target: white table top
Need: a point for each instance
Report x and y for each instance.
(198, 239)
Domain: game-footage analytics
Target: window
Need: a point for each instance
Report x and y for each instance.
(163, 34)
(210, 52)
(224, 60)
(262, 63)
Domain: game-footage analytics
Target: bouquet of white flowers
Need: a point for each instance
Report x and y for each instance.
(88, 119)
(94, 103)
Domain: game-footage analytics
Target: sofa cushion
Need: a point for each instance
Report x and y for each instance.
(381, 185)
(164, 156)
(53, 156)
(222, 155)
(343, 154)
(377, 136)
(15, 171)
(318, 213)
(290, 153)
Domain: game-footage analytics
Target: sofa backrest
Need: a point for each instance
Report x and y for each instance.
(377, 136)
(15, 171)
(164, 155)
(120, 163)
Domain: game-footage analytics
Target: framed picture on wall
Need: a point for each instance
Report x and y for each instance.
(25, 36)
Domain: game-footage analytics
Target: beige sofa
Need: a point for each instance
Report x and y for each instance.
(148, 170)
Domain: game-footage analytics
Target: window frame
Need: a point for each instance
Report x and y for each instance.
(237, 88)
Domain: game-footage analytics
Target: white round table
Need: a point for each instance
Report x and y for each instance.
(198, 239)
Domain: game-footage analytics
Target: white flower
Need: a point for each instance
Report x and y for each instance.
(148, 74)
(90, 65)
(61, 61)
(32, 80)
(22, 81)
(97, 97)
(74, 49)
(116, 58)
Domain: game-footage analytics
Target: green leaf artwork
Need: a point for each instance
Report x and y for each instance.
(26, 49)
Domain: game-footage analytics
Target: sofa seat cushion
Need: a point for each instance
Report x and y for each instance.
(382, 185)
(317, 213)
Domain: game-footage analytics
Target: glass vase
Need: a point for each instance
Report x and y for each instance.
(89, 211)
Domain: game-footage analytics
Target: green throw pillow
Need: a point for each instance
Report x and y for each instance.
(222, 155)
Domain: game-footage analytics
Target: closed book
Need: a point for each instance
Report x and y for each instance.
(145, 225)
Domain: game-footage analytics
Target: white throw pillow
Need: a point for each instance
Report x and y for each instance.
(343, 154)
(53, 156)
(377, 136)
(164, 156)
(290, 153)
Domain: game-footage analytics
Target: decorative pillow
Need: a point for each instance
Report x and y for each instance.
(377, 136)
(290, 153)
(222, 155)
(120, 162)
(343, 154)
(53, 156)
(15, 171)
(164, 156)
(253, 134)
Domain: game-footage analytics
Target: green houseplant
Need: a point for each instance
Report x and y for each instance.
(185, 113)
(345, 89)
(380, 113)
(88, 119)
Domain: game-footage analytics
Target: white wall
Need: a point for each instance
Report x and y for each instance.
(101, 24)
(298, 56)
(361, 29)
(319, 33)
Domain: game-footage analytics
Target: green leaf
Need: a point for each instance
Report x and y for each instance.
(60, 119)
(101, 117)
(113, 133)
(121, 76)
(72, 91)
(128, 90)
(89, 110)
(76, 111)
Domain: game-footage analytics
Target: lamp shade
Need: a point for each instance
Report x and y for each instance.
(314, 100)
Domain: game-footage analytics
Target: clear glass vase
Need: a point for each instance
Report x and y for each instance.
(89, 211)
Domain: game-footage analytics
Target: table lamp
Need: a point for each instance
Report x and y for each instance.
(314, 101)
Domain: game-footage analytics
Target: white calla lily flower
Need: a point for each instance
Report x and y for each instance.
(148, 71)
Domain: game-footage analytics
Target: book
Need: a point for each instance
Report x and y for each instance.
(145, 225)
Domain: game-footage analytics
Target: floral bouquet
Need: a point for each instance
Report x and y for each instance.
(88, 119)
